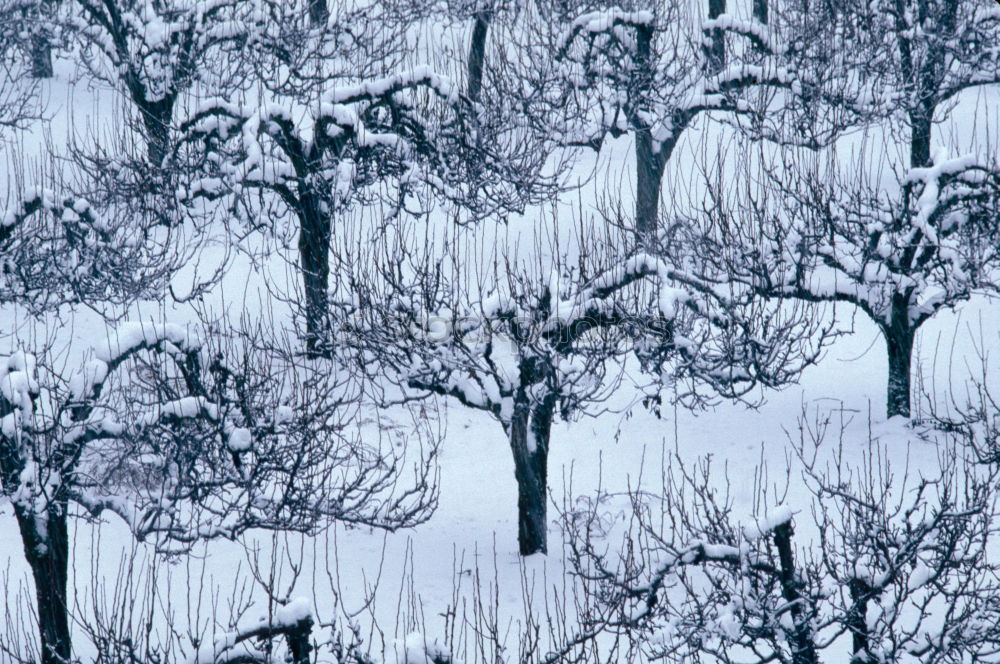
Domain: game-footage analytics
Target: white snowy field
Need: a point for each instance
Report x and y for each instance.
(406, 589)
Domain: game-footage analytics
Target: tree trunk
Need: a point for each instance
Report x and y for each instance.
(857, 621)
(529, 441)
(899, 336)
(715, 52)
(298, 641)
(920, 137)
(314, 256)
(477, 53)
(37, 17)
(47, 553)
(800, 636)
(649, 175)
(41, 54)
(319, 13)
(156, 120)
(648, 166)
(760, 10)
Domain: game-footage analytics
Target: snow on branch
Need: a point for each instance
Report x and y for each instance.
(69, 209)
(293, 621)
(419, 76)
(601, 21)
(932, 178)
(759, 33)
(131, 337)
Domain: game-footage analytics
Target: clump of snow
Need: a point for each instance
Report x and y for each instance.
(421, 75)
(18, 381)
(778, 516)
(415, 649)
(239, 440)
(132, 336)
(295, 611)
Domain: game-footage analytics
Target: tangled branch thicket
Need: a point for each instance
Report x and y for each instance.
(237, 299)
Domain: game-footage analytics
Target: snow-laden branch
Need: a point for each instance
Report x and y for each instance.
(760, 34)
(293, 621)
(421, 76)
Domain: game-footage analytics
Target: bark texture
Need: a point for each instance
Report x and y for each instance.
(46, 548)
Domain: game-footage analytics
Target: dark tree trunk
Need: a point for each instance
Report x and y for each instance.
(529, 433)
(319, 13)
(477, 53)
(41, 37)
(800, 636)
(298, 641)
(648, 165)
(760, 10)
(156, 120)
(314, 255)
(899, 336)
(857, 621)
(41, 54)
(649, 176)
(47, 555)
(920, 138)
(715, 52)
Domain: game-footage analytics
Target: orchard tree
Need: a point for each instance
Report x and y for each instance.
(650, 73)
(907, 226)
(185, 440)
(357, 138)
(325, 141)
(540, 336)
(157, 51)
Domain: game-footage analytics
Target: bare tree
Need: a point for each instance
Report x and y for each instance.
(878, 564)
(317, 178)
(158, 51)
(901, 229)
(183, 441)
(535, 336)
(651, 71)
(324, 142)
